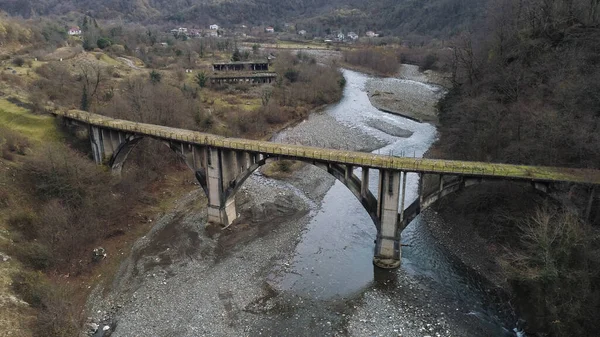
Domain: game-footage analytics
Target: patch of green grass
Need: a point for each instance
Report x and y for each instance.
(38, 128)
(109, 60)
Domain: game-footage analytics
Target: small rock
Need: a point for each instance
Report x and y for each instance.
(93, 327)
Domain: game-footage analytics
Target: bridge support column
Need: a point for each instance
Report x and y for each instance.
(96, 142)
(220, 169)
(105, 143)
(387, 246)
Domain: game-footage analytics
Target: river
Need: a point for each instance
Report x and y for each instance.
(333, 259)
(299, 261)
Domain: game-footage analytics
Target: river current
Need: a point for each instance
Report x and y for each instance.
(334, 256)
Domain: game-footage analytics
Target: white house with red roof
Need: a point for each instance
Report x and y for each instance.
(74, 31)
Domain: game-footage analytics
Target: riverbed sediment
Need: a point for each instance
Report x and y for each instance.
(186, 279)
(404, 95)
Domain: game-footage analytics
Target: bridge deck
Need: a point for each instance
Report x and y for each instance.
(477, 169)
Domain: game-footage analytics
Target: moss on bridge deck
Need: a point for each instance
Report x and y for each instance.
(479, 169)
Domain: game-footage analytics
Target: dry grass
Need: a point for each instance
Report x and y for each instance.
(63, 53)
(281, 169)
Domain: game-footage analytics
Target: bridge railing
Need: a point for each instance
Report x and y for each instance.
(420, 165)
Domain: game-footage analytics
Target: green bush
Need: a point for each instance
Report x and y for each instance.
(201, 79)
(155, 77)
(104, 42)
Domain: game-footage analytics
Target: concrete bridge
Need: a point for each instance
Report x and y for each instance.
(221, 165)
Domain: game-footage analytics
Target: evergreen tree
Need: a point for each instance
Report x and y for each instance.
(201, 79)
(155, 77)
(237, 56)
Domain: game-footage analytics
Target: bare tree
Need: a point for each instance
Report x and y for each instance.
(93, 75)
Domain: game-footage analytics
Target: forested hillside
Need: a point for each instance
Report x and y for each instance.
(526, 91)
(432, 17)
(527, 86)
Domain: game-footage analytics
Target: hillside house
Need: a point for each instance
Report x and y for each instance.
(302, 32)
(353, 36)
(74, 31)
(270, 30)
(340, 36)
(371, 34)
(213, 27)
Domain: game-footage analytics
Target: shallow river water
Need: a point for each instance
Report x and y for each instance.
(307, 269)
(334, 257)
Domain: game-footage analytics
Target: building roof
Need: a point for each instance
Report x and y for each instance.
(239, 63)
(257, 75)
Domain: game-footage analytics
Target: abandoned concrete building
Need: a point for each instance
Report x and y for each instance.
(241, 66)
(260, 78)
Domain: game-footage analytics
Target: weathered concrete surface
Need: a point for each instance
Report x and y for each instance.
(346, 157)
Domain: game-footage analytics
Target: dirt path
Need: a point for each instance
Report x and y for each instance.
(129, 63)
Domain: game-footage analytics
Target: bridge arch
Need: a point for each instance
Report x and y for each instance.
(447, 187)
(342, 173)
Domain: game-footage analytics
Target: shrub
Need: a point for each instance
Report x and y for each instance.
(292, 75)
(428, 62)
(33, 254)
(13, 142)
(26, 222)
(380, 61)
(58, 317)
(205, 121)
(201, 79)
(155, 77)
(31, 286)
(18, 61)
(283, 165)
(104, 42)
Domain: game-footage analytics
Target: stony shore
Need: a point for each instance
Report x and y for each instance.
(186, 279)
(407, 99)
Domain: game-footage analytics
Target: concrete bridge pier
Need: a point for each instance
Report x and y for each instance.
(105, 143)
(387, 245)
(220, 177)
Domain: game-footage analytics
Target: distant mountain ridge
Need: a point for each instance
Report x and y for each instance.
(420, 16)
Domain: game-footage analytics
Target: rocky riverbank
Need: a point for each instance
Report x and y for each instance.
(186, 279)
(404, 95)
